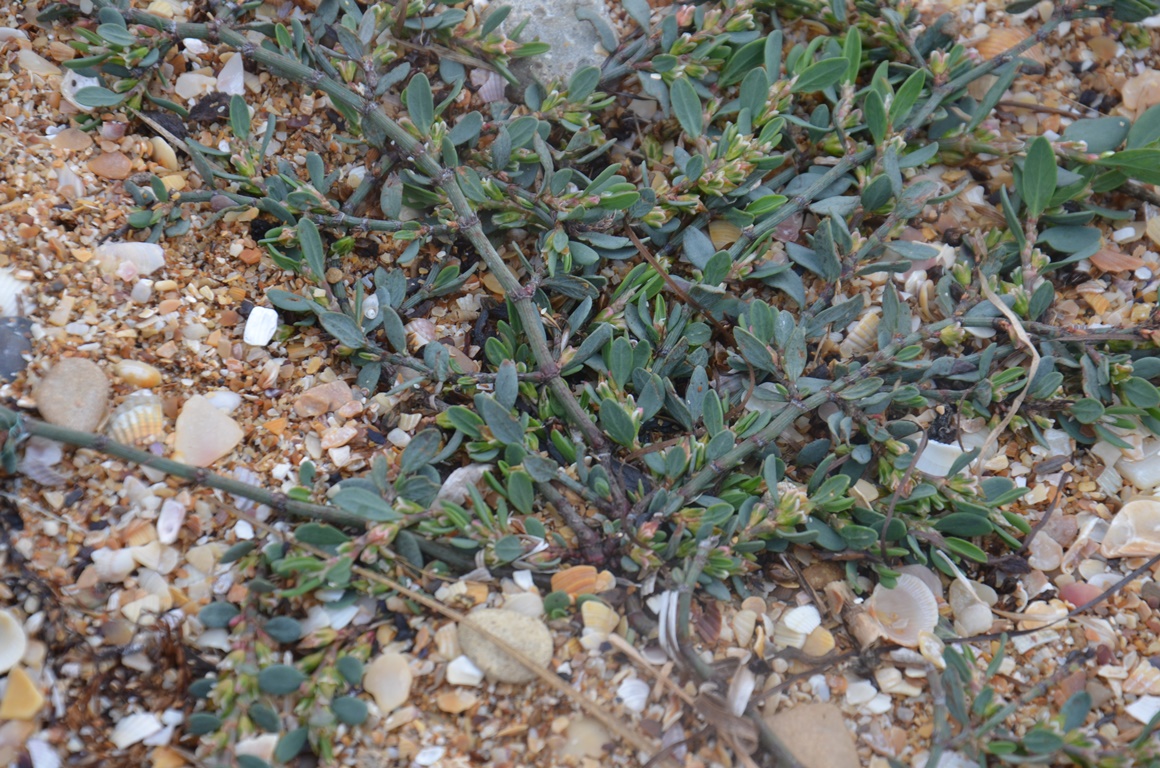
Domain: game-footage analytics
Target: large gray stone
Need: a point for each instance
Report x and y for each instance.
(575, 43)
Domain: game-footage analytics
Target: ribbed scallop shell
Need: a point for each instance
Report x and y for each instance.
(905, 611)
(138, 420)
(577, 580)
(862, 337)
(723, 233)
(599, 617)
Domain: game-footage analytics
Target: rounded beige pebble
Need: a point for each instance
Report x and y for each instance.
(525, 634)
(75, 393)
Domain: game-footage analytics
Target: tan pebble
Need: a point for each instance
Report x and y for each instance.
(586, 737)
(137, 373)
(23, 698)
(491, 282)
(72, 139)
(164, 154)
(323, 399)
(336, 437)
(111, 165)
(174, 182)
(1142, 91)
(165, 757)
(755, 604)
(58, 51)
(203, 434)
(527, 635)
(75, 393)
(456, 701)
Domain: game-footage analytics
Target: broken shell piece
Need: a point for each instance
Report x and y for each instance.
(137, 373)
(260, 326)
(139, 420)
(73, 82)
(1134, 531)
(890, 680)
(819, 643)
(795, 625)
(13, 641)
(578, 580)
(972, 615)
(170, 520)
(462, 671)
(743, 625)
(456, 702)
(723, 233)
(1044, 553)
(932, 649)
(905, 611)
(599, 617)
(938, 458)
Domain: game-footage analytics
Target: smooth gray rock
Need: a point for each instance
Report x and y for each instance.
(575, 43)
(15, 343)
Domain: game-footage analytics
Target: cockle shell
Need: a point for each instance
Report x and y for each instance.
(905, 611)
(1134, 531)
(13, 641)
(138, 420)
(744, 622)
(633, 693)
(577, 580)
(723, 233)
(599, 618)
(972, 615)
(795, 625)
(862, 336)
(819, 642)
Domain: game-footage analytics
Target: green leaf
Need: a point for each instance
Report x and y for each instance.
(754, 350)
(852, 52)
(508, 548)
(117, 34)
(239, 118)
(320, 535)
(201, 723)
(687, 106)
(1141, 393)
(343, 329)
(617, 423)
(217, 615)
(421, 451)
(1101, 134)
(1039, 177)
(1087, 410)
(284, 629)
(1140, 164)
(875, 110)
(467, 129)
(280, 679)
(366, 504)
(1075, 710)
(95, 96)
(505, 427)
(906, 97)
(821, 75)
(520, 491)
(312, 249)
(291, 744)
(1042, 740)
(1145, 130)
(583, 83)
(966, 549)
(420, 103)
(349, 710)
(963, 524)
(351, 669)
(237, 552)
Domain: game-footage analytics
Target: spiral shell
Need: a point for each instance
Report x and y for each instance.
(862, 336)
(138, 420)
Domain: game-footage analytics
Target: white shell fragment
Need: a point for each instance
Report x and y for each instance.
(454, 488)
(1135, 530)
(231, 79)
(905, 612)
(203, 433)
(462, 671)
(938, 458)
(13, 641)
(145, 258)
(260, 326)
(170, 520)
(134, 729)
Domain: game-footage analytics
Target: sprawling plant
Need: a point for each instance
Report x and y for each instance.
(662, 388)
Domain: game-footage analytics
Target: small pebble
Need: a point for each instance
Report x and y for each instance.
(388, 679)
(75, 393)
(15, 343)
(525, 634)
(203, 434)
(111, 165)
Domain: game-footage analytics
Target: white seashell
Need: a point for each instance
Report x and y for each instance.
(138, 420)
(932, 649)
(261, 747)
(155, 584)
(13, 641)
(370, 307)
(388, 679)
(408, 421)
(133, 729)
(260, 326)
(905, 611)
(170, 521)
(454, 488)
(147, 258)
(11, 33)
(224, 400)
(938, 458)
(42, 754)
(743, 625)
(420, 333)
(69, 184)
(1134, 531)
(73, 82)
(113, 565)
(927, 576)
(890, 680)
(861, 337)
(633, 693)
(860, 692)
(599, 617)
(462, 671)
(527, 603)
(741, 689)
(191, 85)
(492, 88)
(975, 619)
(40, 456)
(819, 643)
(12, 301)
